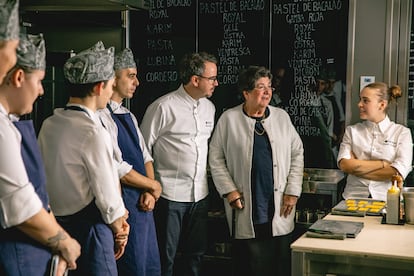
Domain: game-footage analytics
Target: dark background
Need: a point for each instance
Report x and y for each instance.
(238, 33)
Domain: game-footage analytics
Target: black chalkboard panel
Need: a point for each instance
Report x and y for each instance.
(159, 39)
(237, 33)
(307, 38)
(309, 43)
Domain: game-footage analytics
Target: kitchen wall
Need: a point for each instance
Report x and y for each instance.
(378, 40)
(376, 43)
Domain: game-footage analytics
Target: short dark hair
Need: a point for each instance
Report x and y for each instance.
(82, 90)
(248, 77)
(194, 64)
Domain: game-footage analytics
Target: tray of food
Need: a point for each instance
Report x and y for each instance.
(359, 207)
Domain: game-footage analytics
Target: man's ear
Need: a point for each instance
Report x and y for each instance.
(195, 80)
(97, 88)
(16, 77)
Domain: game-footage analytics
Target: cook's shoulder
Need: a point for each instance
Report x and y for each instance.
(69, 119)
(402, 127)
(166, 98)
(208, 103)
(165, 101)
(357, 126)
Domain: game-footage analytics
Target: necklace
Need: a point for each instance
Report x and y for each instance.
(259, 130)
(258, 127)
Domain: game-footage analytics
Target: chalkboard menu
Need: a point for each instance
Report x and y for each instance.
(307, 38)
(159, 38)
(237, 32)
(309, 42)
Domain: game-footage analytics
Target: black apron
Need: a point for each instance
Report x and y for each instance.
(141, 255)
(20, 254)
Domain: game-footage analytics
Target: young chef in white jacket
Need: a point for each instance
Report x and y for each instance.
(29, 231)
(135, 169)
(375, 149)
(82, 181)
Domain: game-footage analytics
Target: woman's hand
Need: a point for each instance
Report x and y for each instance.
(289, 202)
(235, 200)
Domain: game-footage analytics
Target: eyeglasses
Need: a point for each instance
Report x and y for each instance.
(212, 79)
(262, 88)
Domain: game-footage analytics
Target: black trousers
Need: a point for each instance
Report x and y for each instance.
(264, 255)
(181, 226)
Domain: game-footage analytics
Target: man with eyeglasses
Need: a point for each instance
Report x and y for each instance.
(176, 128)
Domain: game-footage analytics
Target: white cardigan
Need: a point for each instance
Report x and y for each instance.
(230, 160)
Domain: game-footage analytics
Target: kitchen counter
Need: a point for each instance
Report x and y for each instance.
(379, 249)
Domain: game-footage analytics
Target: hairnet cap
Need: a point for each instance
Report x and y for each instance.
(9, 19)
(31, 52)
(92, 65)
(124, 59)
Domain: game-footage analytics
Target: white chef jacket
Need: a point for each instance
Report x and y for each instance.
(18, 199)
(176, 128)
(370, 141)
(110, 125)
(78, 157)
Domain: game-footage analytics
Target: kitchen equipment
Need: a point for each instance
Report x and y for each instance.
(348, 228)
(320, 191)
(322, 181)
(359, 207)
(408, 194)
(339, 236)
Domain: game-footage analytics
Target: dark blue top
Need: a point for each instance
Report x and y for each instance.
(262, 175)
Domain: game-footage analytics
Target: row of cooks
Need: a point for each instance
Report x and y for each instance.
(62, 193)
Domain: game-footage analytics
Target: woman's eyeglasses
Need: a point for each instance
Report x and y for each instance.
(262, 88)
